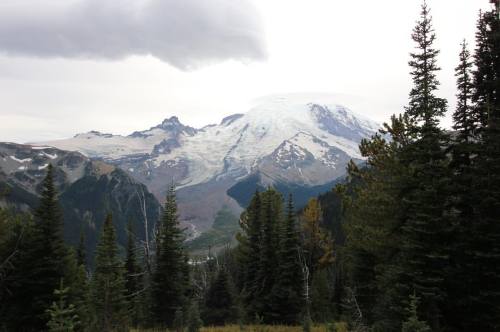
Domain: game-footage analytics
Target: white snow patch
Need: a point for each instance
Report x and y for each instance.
(112, 146)
(40, 147)
(236, 147)
(27, 160)
(51, 156)
(319, 149)
(43, 167)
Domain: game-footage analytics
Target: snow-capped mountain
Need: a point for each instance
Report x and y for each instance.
(88, 190)
(299, 139)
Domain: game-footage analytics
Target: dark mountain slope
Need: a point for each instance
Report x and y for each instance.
(88, 191)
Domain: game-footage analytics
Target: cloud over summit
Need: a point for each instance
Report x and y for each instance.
(184, 33)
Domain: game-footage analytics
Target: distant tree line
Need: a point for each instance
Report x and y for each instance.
(46, 285)
(269, 277)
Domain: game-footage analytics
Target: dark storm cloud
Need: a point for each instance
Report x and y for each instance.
(184, 33)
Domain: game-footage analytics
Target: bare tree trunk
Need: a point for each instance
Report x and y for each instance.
(305, 278)
(357, 315)
(146, 245)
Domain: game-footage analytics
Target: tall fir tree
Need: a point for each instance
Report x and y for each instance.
(249, 253)
(463, 120)
(286, 299)
(398, 224)
(42, 263)
(269, 281)
(426, 230)
(464, 143)
(169, 277)
(108, 285)
(272, 216)
(484, 72)
(463, 169)
(484, 287)
(424, 107)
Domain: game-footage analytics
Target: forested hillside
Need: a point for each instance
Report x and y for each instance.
(409, 241)
(88, 190)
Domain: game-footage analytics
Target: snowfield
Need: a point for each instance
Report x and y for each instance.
(237, 145)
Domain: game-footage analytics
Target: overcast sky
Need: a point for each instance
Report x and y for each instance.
(70, 66)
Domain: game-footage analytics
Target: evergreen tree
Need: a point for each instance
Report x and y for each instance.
(484, 73)
(426, 230)
(178, 324)
(321, 297)
(271, 217)
(220, 303)
(463, 167)
(286, 298)
(15, 238)
(63, 317)
(249, 252)
(169, 278)
(41, 265)
(424, 107)
(194, 322)
(463, 197)
(372, 210)
(81, 255)
(132, 277)
(399, 227)
(413, 324)
(108, 285)
(464, 144)
(78, 295)
(463, 120)
(484, 250)
(77, 277)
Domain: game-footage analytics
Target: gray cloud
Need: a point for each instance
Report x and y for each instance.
(184, 33)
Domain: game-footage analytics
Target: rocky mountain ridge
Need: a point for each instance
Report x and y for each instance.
(290, 139)
(88, 190)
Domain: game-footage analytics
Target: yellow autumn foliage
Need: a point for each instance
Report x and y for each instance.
(317, 241)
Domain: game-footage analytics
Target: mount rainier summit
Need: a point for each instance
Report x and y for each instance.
(300, 140)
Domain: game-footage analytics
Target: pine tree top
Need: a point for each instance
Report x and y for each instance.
(107, 249)
(424, 107)
(463, 119)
